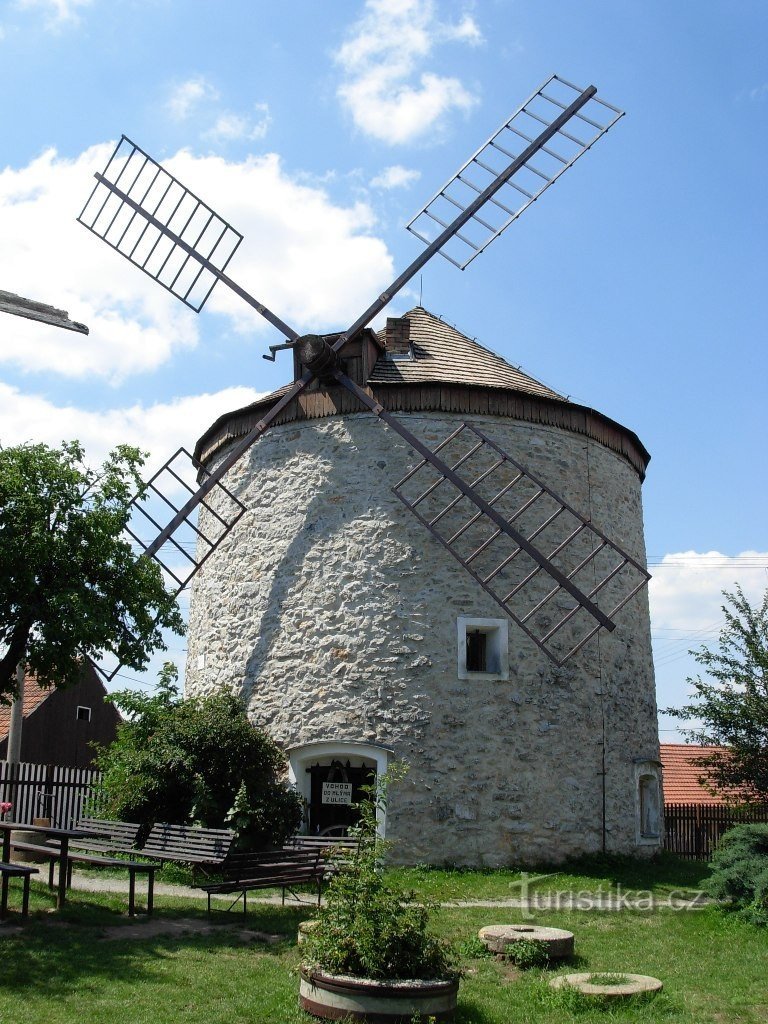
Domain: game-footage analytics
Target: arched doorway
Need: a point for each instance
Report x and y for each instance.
(330, 776)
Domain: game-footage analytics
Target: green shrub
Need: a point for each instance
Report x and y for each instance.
(740, 871)
(525, 953)
(369, 929)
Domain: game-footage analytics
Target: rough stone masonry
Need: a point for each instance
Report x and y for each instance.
(334, 613)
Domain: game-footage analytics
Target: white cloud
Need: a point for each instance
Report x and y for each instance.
(386, 90)
(230, 127)
(312, 262)
(187, 96)
(686, 588)
(59, 11)
(760, 92)
(395, 177)
(159, 429)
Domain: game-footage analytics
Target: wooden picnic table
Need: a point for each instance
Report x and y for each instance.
(62, 835)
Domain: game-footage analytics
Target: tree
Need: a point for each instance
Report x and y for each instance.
(196, 760)
(71, 586)
(733, 705)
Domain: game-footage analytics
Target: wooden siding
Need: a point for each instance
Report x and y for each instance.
(462, 399)
(52, 733)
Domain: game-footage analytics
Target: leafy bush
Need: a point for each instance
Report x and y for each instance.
(740, 871)
(197, 761)
(369, 929)
(525, 953)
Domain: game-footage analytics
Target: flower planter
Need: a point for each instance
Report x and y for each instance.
(338, 997)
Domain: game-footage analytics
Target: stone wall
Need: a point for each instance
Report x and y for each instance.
(335, 613)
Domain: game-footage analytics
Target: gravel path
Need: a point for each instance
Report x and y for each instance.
(536, 901)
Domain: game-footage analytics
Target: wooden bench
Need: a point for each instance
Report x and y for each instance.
(274, 869)
(133, 867)
(337, 850)
(117, 836)
(8, 872)
(48, 851)
(188, 844)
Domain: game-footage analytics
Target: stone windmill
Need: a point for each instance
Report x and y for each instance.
(348, 624)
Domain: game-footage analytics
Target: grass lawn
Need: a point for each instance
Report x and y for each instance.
(90, 964)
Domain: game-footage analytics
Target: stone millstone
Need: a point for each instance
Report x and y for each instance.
(499, 937)
(635, 985)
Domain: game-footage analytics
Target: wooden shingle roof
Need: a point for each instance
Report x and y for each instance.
(442, 354)
(442, 371)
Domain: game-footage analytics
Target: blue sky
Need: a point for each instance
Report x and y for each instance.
(636, 286)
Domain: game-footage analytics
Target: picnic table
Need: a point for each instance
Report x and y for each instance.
(61, 852)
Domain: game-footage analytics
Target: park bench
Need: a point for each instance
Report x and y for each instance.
(116, 837)
(8, 872)
(204, 848)
(273, 869)
(338, 851)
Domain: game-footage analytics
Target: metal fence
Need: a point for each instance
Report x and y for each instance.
(49, 791)
(694, 830)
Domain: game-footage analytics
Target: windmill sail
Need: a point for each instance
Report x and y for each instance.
(553, 572)
(513, 168)
(544, 581)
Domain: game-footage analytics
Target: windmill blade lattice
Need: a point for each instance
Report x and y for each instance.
(542, 163)
(545, 580)
(162, 227)
(186, 548)
(158, 224)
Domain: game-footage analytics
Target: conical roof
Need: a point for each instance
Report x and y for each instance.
(442, 354)
(432, 367)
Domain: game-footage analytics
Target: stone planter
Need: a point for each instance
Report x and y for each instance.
(338, 997)
(632, 985)
(305, 929)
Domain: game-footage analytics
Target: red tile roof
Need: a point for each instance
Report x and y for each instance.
(681, 774)
(34, 695)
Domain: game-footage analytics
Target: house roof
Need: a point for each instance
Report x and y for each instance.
(442, 354)
(34, 695)
(682, 774)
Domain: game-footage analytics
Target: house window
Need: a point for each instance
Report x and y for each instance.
(482, 648)
(83, 713)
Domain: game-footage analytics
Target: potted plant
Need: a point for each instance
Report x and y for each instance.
(371, 956)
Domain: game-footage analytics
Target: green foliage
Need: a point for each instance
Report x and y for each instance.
(71, 586)
(734, 705)
(525, 953)
(197, 760)
(367, 928)
(473, 948)
(740, 871)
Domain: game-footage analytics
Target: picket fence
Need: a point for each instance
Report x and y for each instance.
(694, 830)
(49, 791)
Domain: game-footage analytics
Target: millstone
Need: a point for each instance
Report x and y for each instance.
(633, 985)
(499, 937)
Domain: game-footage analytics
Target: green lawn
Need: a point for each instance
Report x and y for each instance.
(69, 969)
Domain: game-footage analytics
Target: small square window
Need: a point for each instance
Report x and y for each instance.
(482, 647)
(83, 713)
